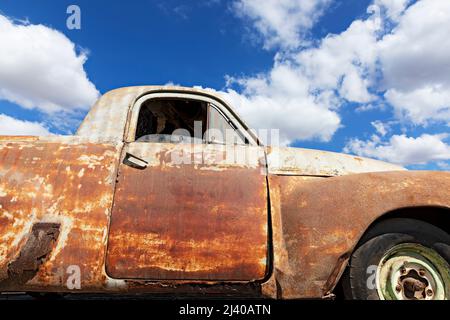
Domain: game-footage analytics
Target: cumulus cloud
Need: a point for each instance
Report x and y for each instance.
(402, 149)
(393, 8)
(381, 127)
(282, 99)
(303, 91)
(282, 22)
(40, 68)
(344, 63)
(395, 59)
(421, 105)
(11, 126)
(415, 63)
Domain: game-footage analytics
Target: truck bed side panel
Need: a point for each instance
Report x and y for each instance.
(66, 183)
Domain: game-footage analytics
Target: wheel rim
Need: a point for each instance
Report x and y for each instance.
(411, 271)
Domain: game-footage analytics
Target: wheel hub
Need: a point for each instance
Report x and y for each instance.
(414, 286)
(412, 272)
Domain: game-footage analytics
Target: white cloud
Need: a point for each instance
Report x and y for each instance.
(343, 62)
(381, 127)
(11, 126)
(283, 102)
(303, 91)
(422, 105)
(282, 23)
(402, 149)
(395, 59)
(394, 8)
(415, 63)
(40, 68)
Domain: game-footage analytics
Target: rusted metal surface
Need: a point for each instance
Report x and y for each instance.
(192, 288)
(318, 222)
(70, 184)
(35, 251)
(108, 117)
(18, 138)
(306, 162)
(188, 221)
(33, 254)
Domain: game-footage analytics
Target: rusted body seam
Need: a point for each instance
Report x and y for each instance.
(116, 174)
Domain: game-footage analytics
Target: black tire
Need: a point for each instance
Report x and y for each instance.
(378, 241)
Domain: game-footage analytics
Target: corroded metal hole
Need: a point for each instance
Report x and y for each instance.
(33, 254)
(413, 285)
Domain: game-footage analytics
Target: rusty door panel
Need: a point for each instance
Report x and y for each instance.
(203, 221)
(65, 183)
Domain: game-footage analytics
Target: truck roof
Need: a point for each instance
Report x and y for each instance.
(108, 116)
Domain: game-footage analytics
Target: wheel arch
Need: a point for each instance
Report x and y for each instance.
(438, 216)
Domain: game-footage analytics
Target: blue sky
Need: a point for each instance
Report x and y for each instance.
(208, 42)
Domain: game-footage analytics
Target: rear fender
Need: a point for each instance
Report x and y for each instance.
(318, 222)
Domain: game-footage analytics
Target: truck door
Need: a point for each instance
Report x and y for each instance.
(184, 207)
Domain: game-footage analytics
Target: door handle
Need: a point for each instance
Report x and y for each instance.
(134, 162)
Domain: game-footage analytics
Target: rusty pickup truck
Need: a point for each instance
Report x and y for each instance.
(149, 198)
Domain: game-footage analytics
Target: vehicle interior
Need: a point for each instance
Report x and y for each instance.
(172, 120)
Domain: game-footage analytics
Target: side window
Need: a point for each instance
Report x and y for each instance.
(221, 130)
(172, 121)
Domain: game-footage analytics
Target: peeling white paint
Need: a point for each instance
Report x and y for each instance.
(297, 161)
(91, 161)
(115, 283)
(6, 214)
(2, 192)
